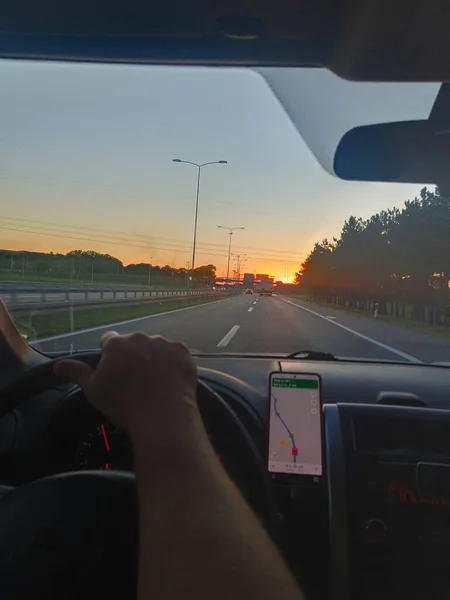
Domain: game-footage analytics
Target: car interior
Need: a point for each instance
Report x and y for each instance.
(374, 521)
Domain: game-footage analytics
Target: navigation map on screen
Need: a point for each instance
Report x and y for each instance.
(295, 434)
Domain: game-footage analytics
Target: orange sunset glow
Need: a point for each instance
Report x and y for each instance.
(34, 242)
(87, 164)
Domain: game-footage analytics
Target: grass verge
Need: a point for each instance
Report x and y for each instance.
(46, 324)
(432, 330)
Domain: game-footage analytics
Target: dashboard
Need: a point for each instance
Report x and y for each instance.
(379, 527)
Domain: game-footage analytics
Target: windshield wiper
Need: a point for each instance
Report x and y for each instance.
(312, 355)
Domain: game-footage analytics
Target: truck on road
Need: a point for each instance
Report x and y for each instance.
(249, 281)
(264, 286)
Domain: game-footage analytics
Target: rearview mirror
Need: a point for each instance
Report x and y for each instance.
(407, 151)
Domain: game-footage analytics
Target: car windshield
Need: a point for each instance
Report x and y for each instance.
(199, 204)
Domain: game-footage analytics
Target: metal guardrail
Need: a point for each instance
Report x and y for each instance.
(58, 296)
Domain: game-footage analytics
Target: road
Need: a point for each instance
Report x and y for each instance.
(247, 323)
(280, 418)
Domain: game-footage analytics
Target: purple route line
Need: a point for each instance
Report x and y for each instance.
(291, 435)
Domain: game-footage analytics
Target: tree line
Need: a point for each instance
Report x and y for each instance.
(86, 265)
(399, 258)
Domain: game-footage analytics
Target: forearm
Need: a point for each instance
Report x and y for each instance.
(198, 536)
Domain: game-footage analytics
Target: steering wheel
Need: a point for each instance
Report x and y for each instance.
(75, 535)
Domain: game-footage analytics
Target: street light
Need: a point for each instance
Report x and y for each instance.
(230, 230)
(240, 259)
(149, 270)
(199, 167)
(187, 274)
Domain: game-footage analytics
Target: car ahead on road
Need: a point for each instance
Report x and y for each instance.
(334, 427)
(249, 292)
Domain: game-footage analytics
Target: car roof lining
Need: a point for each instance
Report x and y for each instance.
(371, 40)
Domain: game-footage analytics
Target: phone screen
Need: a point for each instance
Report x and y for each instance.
(295, 445)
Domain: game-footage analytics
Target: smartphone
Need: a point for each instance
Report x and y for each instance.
(295, 429)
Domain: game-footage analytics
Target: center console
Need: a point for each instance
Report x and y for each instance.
(389, 487)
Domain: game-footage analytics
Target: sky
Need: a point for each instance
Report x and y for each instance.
(86, 160)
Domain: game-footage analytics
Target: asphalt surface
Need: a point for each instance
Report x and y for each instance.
(250, 324)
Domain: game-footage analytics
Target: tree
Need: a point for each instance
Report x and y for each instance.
(396, 257)
(205, 274)
(42, 268)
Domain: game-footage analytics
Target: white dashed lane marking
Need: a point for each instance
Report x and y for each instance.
(228, 337)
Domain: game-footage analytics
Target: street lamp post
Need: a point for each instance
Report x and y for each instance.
(199, 168)
(187, 274)
(230, 233)
(150, 270)
(240, 259)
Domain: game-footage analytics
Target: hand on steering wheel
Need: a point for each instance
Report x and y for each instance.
(145, 384)
(83, 525)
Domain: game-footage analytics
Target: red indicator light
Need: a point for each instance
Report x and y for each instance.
(105, 438)
(405, 493)
(219, 457)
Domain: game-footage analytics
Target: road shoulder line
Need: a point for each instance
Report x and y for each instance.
(408, 357)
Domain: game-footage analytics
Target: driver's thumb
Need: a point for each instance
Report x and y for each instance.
(74, 370)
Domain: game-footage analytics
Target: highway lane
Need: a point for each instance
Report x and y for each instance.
(201, 327)
(425, 348)
(247, 323)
